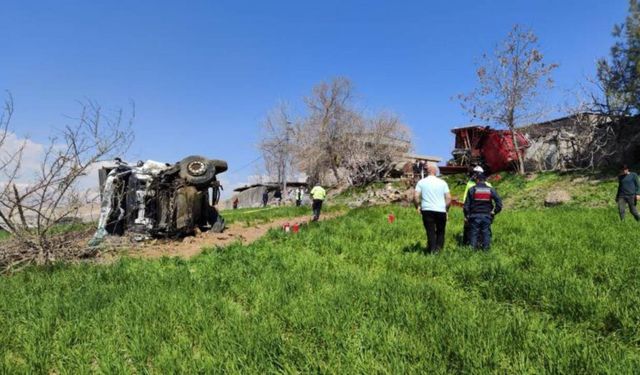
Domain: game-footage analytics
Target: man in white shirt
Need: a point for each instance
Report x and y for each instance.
(432, 200)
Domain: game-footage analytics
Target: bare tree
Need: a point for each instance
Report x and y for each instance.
(333, 139)
(325, 134)
(276, 145)
(376, 144)
(33, 206)
(510, 82)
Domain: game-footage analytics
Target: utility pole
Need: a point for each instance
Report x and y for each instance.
(286, 159)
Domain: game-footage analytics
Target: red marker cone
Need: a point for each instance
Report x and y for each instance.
(391, 218)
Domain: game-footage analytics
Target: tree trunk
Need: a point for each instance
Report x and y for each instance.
(520, 162)
(335, 173)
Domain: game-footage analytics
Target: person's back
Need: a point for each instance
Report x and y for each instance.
(432, 194)
(482, 199)
(318, 194)
(432, 198)
(481, 204)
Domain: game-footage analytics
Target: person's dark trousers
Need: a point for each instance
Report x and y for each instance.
(316, 206)
(628, 201)
(465, 233)
(434, 224)
(480, 226)
(298, 202)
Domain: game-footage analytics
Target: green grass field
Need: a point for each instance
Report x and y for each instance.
(251, 216)
(558, 293)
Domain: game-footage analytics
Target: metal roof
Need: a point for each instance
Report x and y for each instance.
(269, 185)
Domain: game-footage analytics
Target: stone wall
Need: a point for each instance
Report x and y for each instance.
(582, 141)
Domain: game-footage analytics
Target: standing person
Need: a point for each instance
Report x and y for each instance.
(416, 171)
(480, 206)
(432, 199)
(235, 203)
(265, 198)
(278, 196)
(318, 194)
(628, 192)
(299, 194)
(471, 183)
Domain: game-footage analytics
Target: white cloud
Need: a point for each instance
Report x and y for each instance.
(33, 154)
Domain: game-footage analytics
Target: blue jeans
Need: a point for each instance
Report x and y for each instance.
(480, 226)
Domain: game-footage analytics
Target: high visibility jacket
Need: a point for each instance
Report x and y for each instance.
(318, 193)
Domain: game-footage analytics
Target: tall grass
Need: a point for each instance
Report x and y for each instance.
(558, 293)
(525, 192)
(250, 216)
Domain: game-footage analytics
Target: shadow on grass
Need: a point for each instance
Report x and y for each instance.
(416, 247)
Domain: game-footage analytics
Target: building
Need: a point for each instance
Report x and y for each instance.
(251, 195)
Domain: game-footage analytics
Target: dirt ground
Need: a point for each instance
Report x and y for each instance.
(193, 245)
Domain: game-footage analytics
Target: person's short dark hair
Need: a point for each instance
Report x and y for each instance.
(625, 167)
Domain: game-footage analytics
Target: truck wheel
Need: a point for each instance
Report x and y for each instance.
(197, 171)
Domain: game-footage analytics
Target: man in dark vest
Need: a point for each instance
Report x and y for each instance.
(480, 206)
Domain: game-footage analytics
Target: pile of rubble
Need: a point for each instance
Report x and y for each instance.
(376, 195)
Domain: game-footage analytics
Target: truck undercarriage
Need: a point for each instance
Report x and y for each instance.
(153, 199)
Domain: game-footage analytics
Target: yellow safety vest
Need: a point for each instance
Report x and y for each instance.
(318, 193)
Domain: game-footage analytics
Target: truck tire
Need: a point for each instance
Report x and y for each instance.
(197, 171)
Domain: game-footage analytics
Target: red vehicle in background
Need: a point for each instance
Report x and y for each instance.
(481, 145)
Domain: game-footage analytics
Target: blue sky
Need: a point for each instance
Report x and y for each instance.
(203, 74)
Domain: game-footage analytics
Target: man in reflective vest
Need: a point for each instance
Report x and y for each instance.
(318, 194)
(482, 203)
(299, 195)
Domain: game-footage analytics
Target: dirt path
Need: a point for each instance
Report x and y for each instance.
(193, 245)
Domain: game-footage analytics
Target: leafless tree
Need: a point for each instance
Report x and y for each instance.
(32, 207)
(510, 82)
(376, 144)
(333, 139)
(276, 144)
(325, 134)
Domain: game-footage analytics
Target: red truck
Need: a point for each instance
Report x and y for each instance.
(481, 145)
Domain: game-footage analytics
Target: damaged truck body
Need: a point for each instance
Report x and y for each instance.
(153, 199)
(492, 149)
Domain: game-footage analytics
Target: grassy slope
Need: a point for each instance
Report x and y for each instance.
(251, 216)
(529, 192)
(559, 293)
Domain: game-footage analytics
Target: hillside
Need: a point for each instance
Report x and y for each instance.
(586, 190)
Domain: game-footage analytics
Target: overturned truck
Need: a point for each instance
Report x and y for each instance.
(153, 199)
